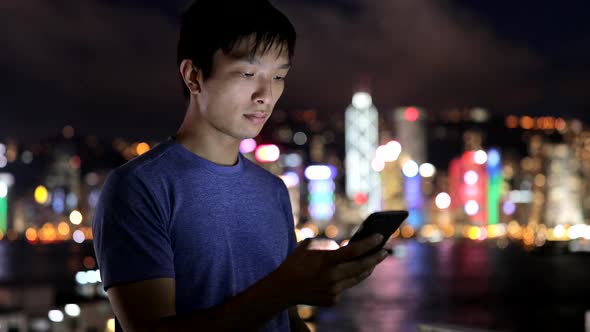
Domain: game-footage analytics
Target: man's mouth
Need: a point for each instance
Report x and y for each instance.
(257, 117)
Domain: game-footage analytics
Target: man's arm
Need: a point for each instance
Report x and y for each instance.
(138, 305)
(150, 306)
(306, 277)
(297, 324)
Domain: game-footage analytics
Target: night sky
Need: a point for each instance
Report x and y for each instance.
(107, 67)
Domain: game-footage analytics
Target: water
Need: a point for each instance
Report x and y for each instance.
(468, 284)
(462, 283)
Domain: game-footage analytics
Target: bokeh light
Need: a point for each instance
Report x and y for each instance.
(72, 310)
(78, 236)
(471, 207)
(442, 200)
(361, 198)
(291, 179)
(411, 114)
(320, 172)
(480, 157)
(377, 165)
(56, 316)
(474, 233)
(247, 145)
(3, 189)
(559, 231)
(142, 148)
(300, 138)
(407, 231)
(427, 170)
(471, 177)
(410, 169)
(361, 100)
(68, 132)
(41, 195)
(76, 217)
(508, 208)
(267, 153)
(110, 325)
(331, 231)
(31, 235)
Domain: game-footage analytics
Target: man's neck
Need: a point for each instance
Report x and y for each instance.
(206, 142)
(210, 149)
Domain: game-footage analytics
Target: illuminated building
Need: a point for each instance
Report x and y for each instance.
(387, 164)
(564, 188)
(393, 190)
(413, 193)
(292, 164)
(321, 191)
(495, 181)
(292, 182)
(63, 181)
(6, 180)
(582, 151)
(475, 185)
(410, 131)
(361, 141)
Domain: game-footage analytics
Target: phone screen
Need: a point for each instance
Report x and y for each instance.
(384, 223)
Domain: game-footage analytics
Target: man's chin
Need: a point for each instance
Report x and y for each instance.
(249, 135)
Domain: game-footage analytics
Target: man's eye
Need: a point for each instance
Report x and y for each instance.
(279, 78)
(248, 74)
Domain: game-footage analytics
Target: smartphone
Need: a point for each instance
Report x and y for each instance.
(384, 223)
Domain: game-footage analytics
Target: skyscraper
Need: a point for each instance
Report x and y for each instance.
(410, 132)
(362, 140)
(564, 200)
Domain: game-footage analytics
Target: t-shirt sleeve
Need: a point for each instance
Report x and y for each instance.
(288, 211)
(131, 241)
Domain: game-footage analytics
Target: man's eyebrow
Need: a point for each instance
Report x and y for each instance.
(254, 60)
(285, 65)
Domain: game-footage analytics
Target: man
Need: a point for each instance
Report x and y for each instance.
(192, 235)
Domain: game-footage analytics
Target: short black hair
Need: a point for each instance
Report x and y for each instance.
(211, 25)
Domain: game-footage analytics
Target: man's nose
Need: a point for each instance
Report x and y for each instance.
(263, 94)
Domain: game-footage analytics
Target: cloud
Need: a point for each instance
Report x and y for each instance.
(110, 66)
(92, 63)
(86, 42)
(412, 51)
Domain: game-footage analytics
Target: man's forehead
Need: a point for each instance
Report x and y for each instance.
(246, 49)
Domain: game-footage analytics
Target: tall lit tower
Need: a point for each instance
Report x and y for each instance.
(362, 140)
(409, 131)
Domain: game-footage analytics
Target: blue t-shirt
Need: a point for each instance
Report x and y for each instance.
(215, 229)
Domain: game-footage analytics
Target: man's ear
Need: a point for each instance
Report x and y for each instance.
(191, 75)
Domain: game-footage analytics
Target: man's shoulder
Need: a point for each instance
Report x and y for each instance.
(154, 161)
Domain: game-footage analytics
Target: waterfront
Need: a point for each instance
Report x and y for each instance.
(455, 282)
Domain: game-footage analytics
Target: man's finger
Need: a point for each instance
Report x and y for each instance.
(353, 269)
(351, 282)
(355, 249)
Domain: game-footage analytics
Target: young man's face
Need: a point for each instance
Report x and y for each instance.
(239, 96)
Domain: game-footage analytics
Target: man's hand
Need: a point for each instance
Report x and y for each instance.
(318, 277)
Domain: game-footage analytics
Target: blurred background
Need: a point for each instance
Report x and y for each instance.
(471, 115)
